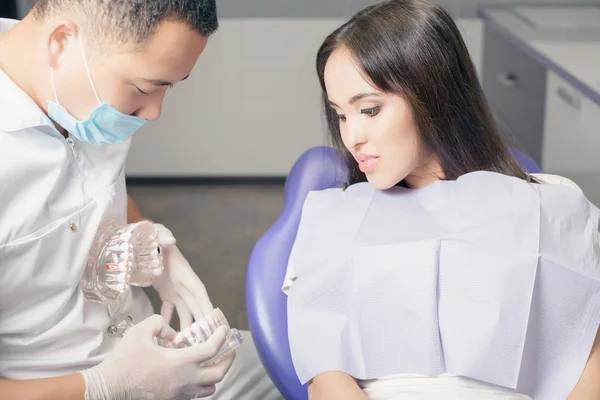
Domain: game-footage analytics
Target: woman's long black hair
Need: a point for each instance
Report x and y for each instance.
(414, 49)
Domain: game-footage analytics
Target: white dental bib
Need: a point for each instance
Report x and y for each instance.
(488, 277)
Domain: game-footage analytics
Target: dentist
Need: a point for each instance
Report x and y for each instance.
(77, 79)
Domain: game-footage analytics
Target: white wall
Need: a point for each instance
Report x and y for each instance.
(251, 106)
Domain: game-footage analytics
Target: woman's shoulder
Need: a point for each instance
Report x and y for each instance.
(547, 189)
(488, 179)
(477, 192)
(552, 179)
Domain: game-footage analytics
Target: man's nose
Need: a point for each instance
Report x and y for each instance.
(152, 110)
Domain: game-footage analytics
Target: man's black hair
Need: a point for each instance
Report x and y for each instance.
(134, 21)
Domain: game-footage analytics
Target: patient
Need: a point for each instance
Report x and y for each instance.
(443, 271)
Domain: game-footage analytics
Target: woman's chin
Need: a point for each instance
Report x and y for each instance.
(379, 182)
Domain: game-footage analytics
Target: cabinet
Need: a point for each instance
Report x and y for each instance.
(515, 86)
(572, 129)
(572, 136)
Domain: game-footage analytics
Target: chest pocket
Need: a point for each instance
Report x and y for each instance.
(40, 272)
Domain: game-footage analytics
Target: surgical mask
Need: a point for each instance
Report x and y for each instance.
(105, 125)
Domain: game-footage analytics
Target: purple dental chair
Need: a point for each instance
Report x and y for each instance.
(266, 305)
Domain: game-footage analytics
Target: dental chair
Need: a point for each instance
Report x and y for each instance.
(318, 168)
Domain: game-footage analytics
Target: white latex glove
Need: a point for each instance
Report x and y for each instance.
(179, 287)
(137, 368)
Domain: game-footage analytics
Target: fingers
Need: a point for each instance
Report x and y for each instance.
(201, 298)
(165, 237)
(205, 391)
(198, 296)
(185, 316)
(205, 351)
(191, 289)
(196, 392)
(213, 374)
(196, 308)
(157, 327)
(166, 311)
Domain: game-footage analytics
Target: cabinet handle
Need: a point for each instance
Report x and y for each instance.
(568, 98)
(509, 80)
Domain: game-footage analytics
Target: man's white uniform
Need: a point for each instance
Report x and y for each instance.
(54, 192)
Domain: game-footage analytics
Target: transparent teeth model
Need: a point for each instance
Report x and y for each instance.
(203, 329)
(121, 256)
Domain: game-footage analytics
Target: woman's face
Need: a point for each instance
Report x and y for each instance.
(377, 128)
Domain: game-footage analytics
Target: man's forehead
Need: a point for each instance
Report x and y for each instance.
(174, 50)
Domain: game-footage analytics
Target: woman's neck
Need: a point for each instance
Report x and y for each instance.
(427, 173)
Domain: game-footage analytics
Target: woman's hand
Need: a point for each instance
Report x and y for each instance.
(588, 386)
(333, 385)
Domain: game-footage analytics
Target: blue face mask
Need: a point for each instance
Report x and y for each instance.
(105, 125)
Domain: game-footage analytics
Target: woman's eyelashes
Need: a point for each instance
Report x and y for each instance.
(372, 111)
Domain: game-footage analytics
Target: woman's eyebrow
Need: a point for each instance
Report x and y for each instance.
(356, 97)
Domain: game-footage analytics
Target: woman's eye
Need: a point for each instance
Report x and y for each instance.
(340, 117)
(373, 111)
(141, 91)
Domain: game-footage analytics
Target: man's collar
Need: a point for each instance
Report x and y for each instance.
(17, 109)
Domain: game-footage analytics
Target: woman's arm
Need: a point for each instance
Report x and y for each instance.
(334, 385)
(588, 386)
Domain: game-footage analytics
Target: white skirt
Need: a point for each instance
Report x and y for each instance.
(442, 387)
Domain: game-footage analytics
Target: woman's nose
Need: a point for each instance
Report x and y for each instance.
(355, 134)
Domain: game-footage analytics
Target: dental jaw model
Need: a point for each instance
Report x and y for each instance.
(129, 255)
(203, 329)
(121, 256)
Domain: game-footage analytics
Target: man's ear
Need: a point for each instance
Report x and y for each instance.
(60, 36)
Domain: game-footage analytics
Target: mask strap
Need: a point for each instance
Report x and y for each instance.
(53, 85)
(87, 69)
